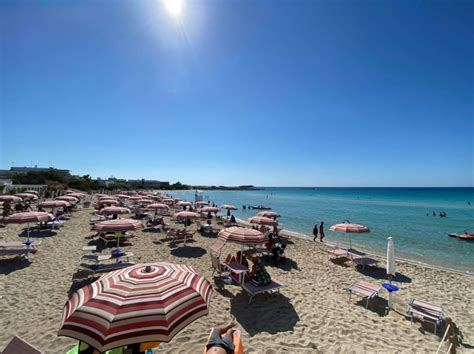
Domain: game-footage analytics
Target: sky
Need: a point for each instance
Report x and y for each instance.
(227, 92)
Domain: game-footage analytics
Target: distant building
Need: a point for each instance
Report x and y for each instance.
(148, 183)
(24, 170)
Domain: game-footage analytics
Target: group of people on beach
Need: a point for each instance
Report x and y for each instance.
(321, 232)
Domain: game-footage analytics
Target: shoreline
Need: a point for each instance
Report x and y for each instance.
(370, 252)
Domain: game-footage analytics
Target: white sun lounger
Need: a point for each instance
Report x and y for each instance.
(104, 268)
(364, 290)
(425, 311)
(19, 244)
(253, 290)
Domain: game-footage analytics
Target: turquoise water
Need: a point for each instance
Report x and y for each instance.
(397, 212)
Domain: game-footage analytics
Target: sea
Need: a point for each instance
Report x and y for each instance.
(405, 214)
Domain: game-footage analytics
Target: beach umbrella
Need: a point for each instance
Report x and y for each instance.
(27, 196)
(184, 215)
(390, 258)
(261, 220)
(201, 203)
(349, 228)
(228, 207)
(68, 198)
(242, 235)
(118, 226)
(10, 199)
(77, 195)
(145, 201)
(184, 203)
(155, 206)
(125, 196)
(269, 214)
(108, 202)
(53, 204)
(168, 201)
(138, 304)
(113, 210)
(27, 218)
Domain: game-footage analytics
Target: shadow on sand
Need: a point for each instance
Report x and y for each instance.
(188, 252)
(13, 264)
(38, 233)
(259, 315)
(380, 274)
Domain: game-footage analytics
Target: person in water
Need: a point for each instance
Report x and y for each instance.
(315, 232)
(321, 231)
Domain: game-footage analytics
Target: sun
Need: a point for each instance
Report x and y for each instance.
(174, 7)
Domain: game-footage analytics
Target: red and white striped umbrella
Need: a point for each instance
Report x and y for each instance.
(117, 225)
(107, 197)
(27, 218)
(347, 227)
(168, 201)
(114, 210)
(269, 214)
(27, 196)
(242, 235)
(77, 195)
(183, 215)
(228, 207)
(51, 204)
(68, 198)
(137, 304)
(155, 206)
(145, 201)
(135, 198)
(261, 220)
(10, 199)
(201, 203)
(125, 196)
(209, 209)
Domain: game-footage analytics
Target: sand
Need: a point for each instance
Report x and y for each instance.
(311, 314)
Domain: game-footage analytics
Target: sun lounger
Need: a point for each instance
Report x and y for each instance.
(216, 247)
(339, 252)
(364, 261)
(105, 257)
(425, 311)
(107, 238)
(364, 289)
(264, 251)
(19, 244)
(18, 345)
(22, 252)
(253, 290)
(217, 265)
(104, 268)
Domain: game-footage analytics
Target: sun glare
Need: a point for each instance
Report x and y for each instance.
(174, 7)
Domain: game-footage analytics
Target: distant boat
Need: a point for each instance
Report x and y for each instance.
(261, 207)
(464, 236)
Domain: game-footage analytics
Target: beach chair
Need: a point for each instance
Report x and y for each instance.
(425, 311)
(339, 253)
(107, 238)
(253, 290)
(22, 252)
(217, 265)
(18, 345)
(18, 244)
(365, 290)
(105, 268)
(364, 261)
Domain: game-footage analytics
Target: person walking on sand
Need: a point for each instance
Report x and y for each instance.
(321, 231)
(315, 232)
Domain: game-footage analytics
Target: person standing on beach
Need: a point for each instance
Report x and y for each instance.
(315, 232)
(321, 231)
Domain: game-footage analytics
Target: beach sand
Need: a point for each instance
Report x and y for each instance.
(311, 314)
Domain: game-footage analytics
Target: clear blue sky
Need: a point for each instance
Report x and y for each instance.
(304, 93)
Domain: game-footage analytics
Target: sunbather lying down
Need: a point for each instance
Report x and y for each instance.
(224, 340)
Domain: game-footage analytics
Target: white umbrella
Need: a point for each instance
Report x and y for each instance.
(390, 266)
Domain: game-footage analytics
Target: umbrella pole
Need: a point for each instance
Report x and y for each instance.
(28, 232)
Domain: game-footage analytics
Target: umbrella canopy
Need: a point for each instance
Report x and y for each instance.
(155, 206)
(28, 217)
(209, 209)
(117, 225)
(107, 197)
(51, 204)
(261, 220)
(201, 202)
(183, 215)
(68, 198)
(269, 214)
(137, 304)
(242, 235)
(77, 195)
(168, 201)
(114, 210)
(349, 228)
(27, 196)
(10, 199)
(122, 196)
(135, 198)
(228, 207)
(145, 201)
(390, 257)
